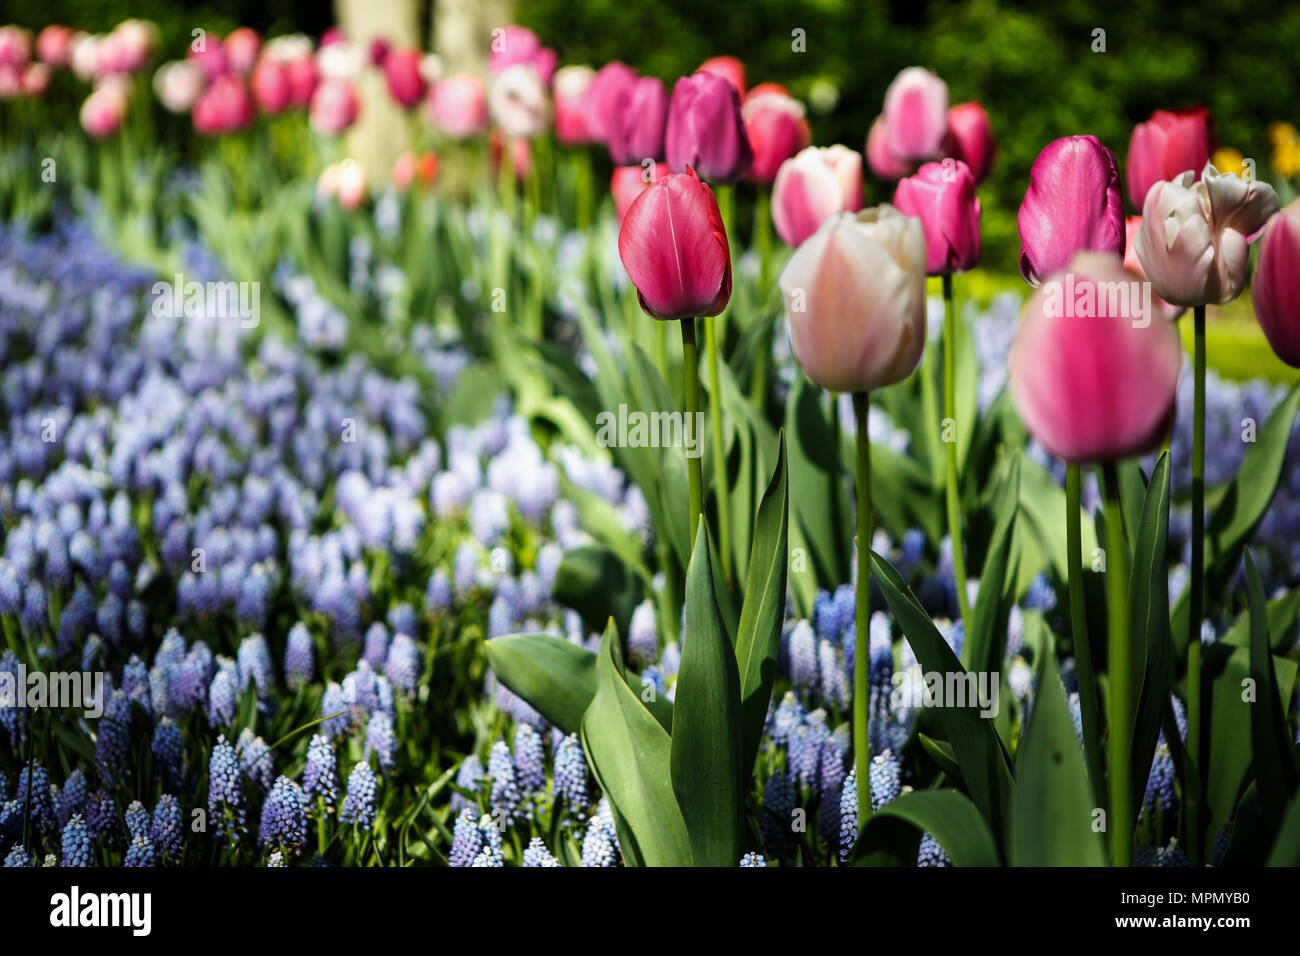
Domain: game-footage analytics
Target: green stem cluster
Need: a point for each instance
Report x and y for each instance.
(953, 492)
(862, 613)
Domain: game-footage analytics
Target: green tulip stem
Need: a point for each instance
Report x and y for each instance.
(862, 614)
(763, 245)
(691, 370)
(950, 441)
(720, 489)
(1079, 628)
(1197, 583)
(1121, 677)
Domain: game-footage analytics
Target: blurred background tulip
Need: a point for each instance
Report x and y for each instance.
(458, 106)
(569, 91)
(970, 138)
(811, 187)
(706, 131)
(1073, 204)
(242, 48)
(406, 84)
(777, 129)
(916, 114)
(334, 106)
(855, 300)
(605, 99)
(223, 107)
(103, 111)
(729, 68)
(884, 164)
(1169, 143)
(942, 196)
(638, 134)
(628, 182)
(178, 85)
(1276, 286)
(517, 101)
(1161, 309)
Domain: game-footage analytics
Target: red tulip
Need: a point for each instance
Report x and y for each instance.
(1073, 204)
(942, 196)
(569, 86)
(606, 97)
(334, 107)
(223, 107)
(639, 133)
(1091, 374)
(705, 130)
(458, 106)
(628, 182)
(674, 248)
(777, 129)
(813, 186)
(1169, 143)
(729, 68)
(970, 138)
(1276, 286)
(916, 114)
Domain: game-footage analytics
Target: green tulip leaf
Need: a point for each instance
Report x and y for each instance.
(947, 815)
(1270, 752)
(594, 582)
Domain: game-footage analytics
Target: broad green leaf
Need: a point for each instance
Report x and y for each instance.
(1271, 757)
(818, 496)
(975, 743)
(1281, 614)
(707, 744)
(1052, 805)
(758, 639)
(594, 582)
(987, 631)
(1286, 849)
(948, 816)
(630, 754)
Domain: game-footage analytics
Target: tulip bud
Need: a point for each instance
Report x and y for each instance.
(402, 72)
(705, 130)
(674, 247)
(605, 99)
(1194, 239)
(334, 107)
(855, 300)
(916, 114)
(103, 111)
(1073, 204)
(570, 87)
(777, 130)
(517, 101)
(223, 107)
(458, 106)
(1094, 381)
(1276, 287)
(178, 85)
(729, 68)
(1171, 142)
(884, 164)
(628, 182)
(942, 196)
(811, 187)
(970, 138)
(639, 133)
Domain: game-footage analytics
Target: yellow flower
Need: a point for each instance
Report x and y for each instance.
(1286, 159)
(1283, 134)
(1229, 160)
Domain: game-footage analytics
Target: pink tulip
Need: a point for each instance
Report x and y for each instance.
(54, 45)
(777, 129)
(1092, 386)
(415, 169)
(521, 154)
(1169, 143)
(513, 45)
(942, 196)
(211, 58)
(674, 247)
(270, 86)
(705, 130)
(1276, 287)
(344, 181)
(916, 114)
(606, 98)
(813, 186)
(570, 86)
(242, 48)
(103, 111)
(1195, 236)
(970, 138)
(629, 181)
(884, 164)
(334, 107)
(518, 103)
(223, 107)
(727, 67)
(178, 85)
(332, 36)
(303, 79)
(639, 132)
(1161, 309)
(855, 300)
(379, 50)
(128, 47)
(1073, 204)
(35, 79)
(402, 71)
(15, 46)
(11, 81)
(458, 106)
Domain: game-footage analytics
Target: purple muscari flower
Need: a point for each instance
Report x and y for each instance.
(14, 720)
(402, 619)
(884, 777)
(642, 636)
(255, 758)
(500, 618)
(361, 693)
(35, 614)
(11, 589)
(465, 568)
(1040, 596)
(226, 791)
(359, 804)
(137, 819)
(319, 777)
(222, 696)
(140, 853)
(778, 807)
(834, 681)
(335, 708)
(490, 855)
(803, 657)
(538, 855)
(571, 775)
(381, 739)
(135, 682)
(402, 666)
(931, 854)
(376, 647)
(110, 619)
(255, 664)
(276, 860)
(806, 748)
(1159, 794)
(72, 799)
(254, 597)
(18, 857)
(167, 829)
(787, 717)
(835, 750)
(530, 769)
(469, 777)
(849, 814)
(299, 657)
(78, 848)
(912, 552)
(466, 839)
(284, 817)
(101, 816)
(169, 751)
(600, 843)
(119, 581)
(437, 596)
(753, 859)
(504, 797)
(113, 741)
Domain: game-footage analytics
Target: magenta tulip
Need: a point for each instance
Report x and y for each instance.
(639, 133)
(270, 86)
(706, 131)
(727, 67)
(813, 186)
(402, 73)
(942, 196)
(1169, 143)
(1073, 204)
(777, 129)
(674, 248)
(513, 45)
(569, 89)
(1091, 374)
(334, 107)
(606, 98)
(970, 138)
(223, 107)
(303, 80)
(458, 106)
(1276, 286)
(916, 114)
